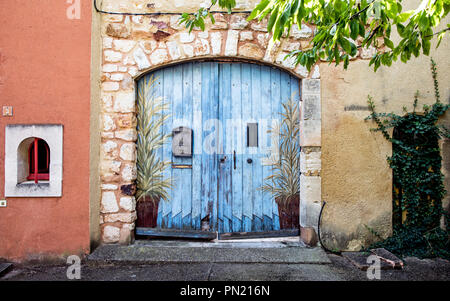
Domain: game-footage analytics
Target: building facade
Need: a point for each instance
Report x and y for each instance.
(87, 62)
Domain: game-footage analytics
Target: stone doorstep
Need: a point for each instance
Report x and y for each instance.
(197, 252)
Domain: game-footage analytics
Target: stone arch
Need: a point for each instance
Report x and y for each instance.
(135, 47)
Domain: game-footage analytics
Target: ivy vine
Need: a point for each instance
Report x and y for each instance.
(418, 187)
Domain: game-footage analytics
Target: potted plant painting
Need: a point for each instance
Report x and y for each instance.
(151, 184)
(284, 183)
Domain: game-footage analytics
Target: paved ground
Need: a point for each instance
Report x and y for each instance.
(339, 269)
(193, 265)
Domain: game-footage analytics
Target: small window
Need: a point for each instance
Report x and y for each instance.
(252, 135)
(39, 161)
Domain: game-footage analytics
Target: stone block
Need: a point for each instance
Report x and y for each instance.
(109, 202)
(251, 50)
(159, 56)
(186, 37)
(112, 56)
(216, 42)
(231, 43)
(128, 203)
(128, 152)
(309, 236)
(111, 234)
(109, 68)
(129, 172)
(110, 86)
(124, 102)
(201, 47)
(246, 36)
(118, 30)
(310, 133)
(128, 189)
(310, 163)
(126, 217)
(311, 86)
(238, 22)
(140, 59)
(109, 150)
(127, 135)
(174, 50)
(310, 200)
(108, 123)
(311, 109)
(124, 45)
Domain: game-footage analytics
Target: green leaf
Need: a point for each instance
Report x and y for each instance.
(403, 17)
(401, 30)
(354, 29)
(426, 45)
(388, 43)
(258, 9)
(272, 19)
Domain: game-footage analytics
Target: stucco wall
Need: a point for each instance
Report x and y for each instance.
(44, 75)
(356, 179)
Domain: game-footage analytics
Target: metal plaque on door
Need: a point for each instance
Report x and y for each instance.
(182, 142)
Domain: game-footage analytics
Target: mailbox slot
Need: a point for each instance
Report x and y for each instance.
(182, 142)
(252, 135)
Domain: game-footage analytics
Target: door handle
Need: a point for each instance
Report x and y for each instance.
(249, 161)
(222, 160)
(234, 159)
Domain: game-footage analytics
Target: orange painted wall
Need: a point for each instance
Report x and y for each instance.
(45, 76)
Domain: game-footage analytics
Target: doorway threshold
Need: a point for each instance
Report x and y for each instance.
(254, 243)
(285, 251)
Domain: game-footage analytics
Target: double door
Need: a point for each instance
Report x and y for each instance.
(229, 107)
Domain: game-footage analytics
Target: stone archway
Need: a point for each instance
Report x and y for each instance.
(135, 46)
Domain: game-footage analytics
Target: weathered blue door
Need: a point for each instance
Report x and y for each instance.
(229, 107)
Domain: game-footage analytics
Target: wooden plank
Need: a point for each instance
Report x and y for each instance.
(225, 185)
(177, 115)
(265, 234)
(175, 233)
(258, 154)
(159, 92)
(247, 170)
(198, 145)
(186, 174)
(276, 100)
(266, 105)
(209, 169)
(214, 157)
(167, 149)
(237, 133)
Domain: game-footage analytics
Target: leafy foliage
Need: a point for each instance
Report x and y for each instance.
(152, 112)
(285, 179)
(418, 182)
(340, 23)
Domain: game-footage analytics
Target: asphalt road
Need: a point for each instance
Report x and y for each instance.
(340, 269)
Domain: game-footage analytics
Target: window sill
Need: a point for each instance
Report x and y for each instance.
(32, 183)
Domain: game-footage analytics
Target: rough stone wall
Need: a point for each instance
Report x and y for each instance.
(134, 45)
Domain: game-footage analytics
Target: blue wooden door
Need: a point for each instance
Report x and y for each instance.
(250, 96)
(216, 189)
